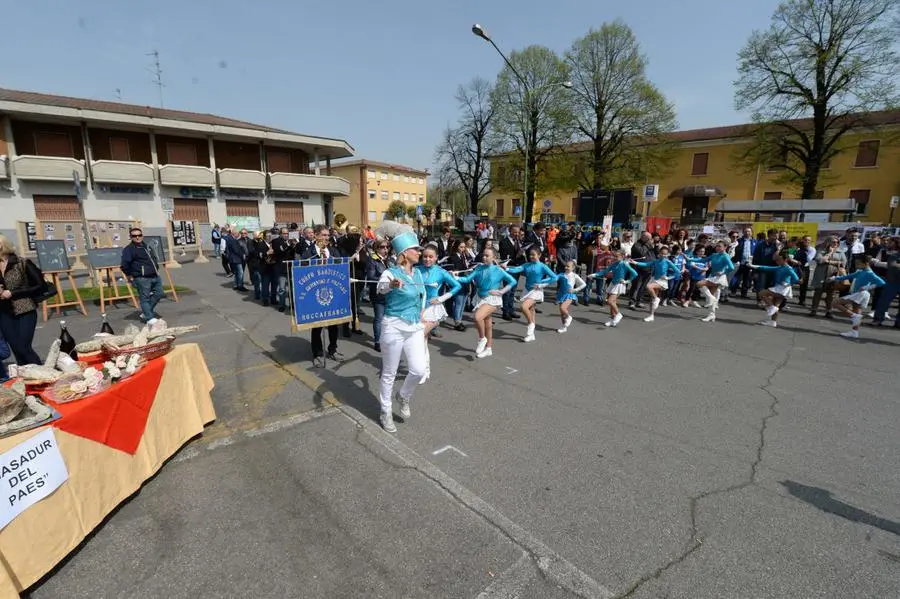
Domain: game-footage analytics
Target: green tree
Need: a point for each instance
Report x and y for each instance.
(411, 212)
(811, 77)
(396, 210)
(532, 111)
(618, 109)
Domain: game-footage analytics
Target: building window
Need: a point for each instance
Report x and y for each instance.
(867, 154)
(384, 176)
(371, 194)
(700, 163)
(421, 198)
(370, 174)
(372, 215)
(119, 149)
(405, 197)
(396, 177)
(499, 211)
(53, 143)
(516, 207)
(406, 178)
(779, 160)
(772, 195)
(862, 199)
(384, 216)
(396, 196)
(180, 153)
(385, 196)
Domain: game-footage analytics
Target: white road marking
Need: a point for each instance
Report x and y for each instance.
(512, 581)
(511, 370)
(445, 448)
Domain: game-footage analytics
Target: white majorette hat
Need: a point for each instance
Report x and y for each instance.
(405, 241)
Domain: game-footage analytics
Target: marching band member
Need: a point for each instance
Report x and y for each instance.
(853, 305)
(569, 284)
(322, 252)
(434, 278)
(537, 276)
(402, 330)
(783, 277)
(621, 273)
(662, 269)
(720, 266)
(487, 278)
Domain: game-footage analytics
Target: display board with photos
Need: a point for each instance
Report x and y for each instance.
(184, 232)
(51, 255)
(105, 258)
(71, 233)
(110, 234)
(158, 246)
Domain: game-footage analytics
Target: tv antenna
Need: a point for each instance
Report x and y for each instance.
(119, 94)
(156, 71)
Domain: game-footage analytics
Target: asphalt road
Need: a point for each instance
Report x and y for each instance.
(670, 459)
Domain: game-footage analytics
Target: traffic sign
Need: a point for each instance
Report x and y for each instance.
(548, 205)
(651, 192)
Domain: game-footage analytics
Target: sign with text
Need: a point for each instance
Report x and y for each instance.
(651, 192)
(799, 229)
(321, 293)
(29, 472)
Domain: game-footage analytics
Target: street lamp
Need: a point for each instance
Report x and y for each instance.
(479, 31)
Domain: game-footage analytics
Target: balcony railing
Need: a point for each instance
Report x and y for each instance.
(241, 179)
(181, 174)
(47, 168)
(118, 171)
(310, 183)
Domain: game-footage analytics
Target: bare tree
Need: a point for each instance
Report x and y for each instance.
(811, 77)
(616, 107)
(462, 155)
(532, 112)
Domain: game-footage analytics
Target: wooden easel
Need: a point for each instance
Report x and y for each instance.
(107, 279)
(171, 288)
(60, 298)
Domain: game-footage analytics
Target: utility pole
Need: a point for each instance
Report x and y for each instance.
(156, 71)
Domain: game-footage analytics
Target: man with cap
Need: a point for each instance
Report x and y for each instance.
(402, 332)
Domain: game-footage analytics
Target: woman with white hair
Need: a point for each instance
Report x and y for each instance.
(402, 330)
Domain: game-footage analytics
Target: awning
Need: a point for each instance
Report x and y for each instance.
(697, 191)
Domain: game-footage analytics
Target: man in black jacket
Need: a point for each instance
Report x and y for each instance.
(320, 253)
(284, 255)
(512, 249)
(236, 253)
(536, 237)
(445, 243)
(141, 267)
(642, 251)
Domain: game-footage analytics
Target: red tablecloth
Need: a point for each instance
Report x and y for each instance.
(117, 416)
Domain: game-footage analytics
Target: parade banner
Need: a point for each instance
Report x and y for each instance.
(321, 294)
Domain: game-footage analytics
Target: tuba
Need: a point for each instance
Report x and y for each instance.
(340, 222)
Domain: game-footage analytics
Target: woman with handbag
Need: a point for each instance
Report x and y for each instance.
(830, 262)
(20, 282)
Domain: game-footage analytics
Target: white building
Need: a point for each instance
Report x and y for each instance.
(130, 163)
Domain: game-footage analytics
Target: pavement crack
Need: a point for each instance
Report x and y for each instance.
(695, 541)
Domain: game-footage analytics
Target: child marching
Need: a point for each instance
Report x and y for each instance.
(537, 276)
(662, 270)
(435, 278)
(569, 284)
(489, 280)
(784, 276)
(854, 304)
(621, 273)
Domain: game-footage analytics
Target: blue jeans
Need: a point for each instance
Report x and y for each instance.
(4, 354)
(378, 309)
(217, 249)
(238, 269)
(283, 291)
(674, 286)
(150, 291)
(509, 298)
(459, 304)
(888, 293)
(269, 287)
(599, 287)
(256, 279)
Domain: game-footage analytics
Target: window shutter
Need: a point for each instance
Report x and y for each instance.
(120, 150)
(701, 163)
(867, 153)
(772, 195)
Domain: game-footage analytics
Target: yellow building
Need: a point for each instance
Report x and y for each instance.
(374, 185)
(705, 171)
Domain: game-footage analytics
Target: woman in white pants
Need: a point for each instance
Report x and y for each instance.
(402, 330)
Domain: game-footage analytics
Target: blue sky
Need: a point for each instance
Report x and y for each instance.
(379, 74)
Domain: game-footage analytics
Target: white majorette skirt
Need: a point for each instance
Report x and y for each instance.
(784, 291)
(662, 283)
(617, 289)
(719, 280)
(535, 295)
(491, 300)
(860, 298)
(435, 313)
